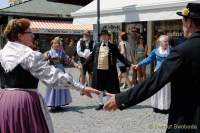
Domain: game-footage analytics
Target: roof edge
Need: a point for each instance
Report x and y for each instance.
(35, 15)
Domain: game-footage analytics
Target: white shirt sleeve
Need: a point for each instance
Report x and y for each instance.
(52, 77)
(78, 49)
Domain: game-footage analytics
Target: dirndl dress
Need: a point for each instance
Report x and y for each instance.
(59, 96)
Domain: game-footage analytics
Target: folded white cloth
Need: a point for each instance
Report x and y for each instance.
(87, 53)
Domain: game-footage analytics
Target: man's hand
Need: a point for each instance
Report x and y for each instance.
(88, 90)
(135, 66)
(111, 104)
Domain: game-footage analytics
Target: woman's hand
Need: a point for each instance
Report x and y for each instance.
(88, 90)
(135, 66)
(46, 55)
(80, 66)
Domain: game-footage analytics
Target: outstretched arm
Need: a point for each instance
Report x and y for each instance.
(149, 59)
(147, 88)
(70, 61)
(51, 76)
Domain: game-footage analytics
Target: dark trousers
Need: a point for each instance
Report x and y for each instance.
(106, 82)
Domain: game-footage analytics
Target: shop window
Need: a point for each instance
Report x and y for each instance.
(171, 28)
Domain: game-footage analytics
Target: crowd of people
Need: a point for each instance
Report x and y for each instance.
(22, 108)
(101, 61)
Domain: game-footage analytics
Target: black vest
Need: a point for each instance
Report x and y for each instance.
(83, 47)
(17, 78)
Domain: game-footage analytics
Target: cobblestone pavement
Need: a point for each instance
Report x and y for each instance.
(80, 117)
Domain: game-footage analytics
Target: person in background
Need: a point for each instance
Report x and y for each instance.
(22, 108)
(180, 38)
(56, 98)
(110, 34)
(140, 54)
(70, 48)
(161, 100)
(125, 50)
(182, 69)
(35, 45)
(133, 40)
(84, 48)
(155, 40)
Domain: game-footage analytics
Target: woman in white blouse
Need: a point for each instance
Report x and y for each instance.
(22, 108)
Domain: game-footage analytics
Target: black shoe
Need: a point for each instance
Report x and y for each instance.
(52, 110)
(99, 107)
(55, 109)
(58, 108)
(160, 111)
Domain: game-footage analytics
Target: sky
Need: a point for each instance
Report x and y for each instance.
(4, 3)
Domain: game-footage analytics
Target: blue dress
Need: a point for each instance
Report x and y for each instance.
(57, 97)
(154, 56)
(162, 99)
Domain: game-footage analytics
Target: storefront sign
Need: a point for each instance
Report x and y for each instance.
(110, 27)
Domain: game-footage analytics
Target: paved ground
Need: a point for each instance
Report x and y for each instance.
(80, 117)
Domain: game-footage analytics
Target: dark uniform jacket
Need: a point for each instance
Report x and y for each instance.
(108, 79)
(182, 69)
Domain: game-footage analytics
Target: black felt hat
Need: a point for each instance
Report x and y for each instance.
(104, 32)
(192, 10)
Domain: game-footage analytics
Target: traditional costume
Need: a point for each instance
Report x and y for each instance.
(22, 108)
(105, 76)
(161, 100)
(59, 96)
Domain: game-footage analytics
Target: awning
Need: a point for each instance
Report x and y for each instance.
(58, 27)
(119, 11)
(111, 12)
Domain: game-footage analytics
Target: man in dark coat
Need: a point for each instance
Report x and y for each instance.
(104, 58)
(182, 69)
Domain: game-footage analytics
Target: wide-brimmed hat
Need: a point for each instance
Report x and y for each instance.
(192, 10)
(104, 32)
